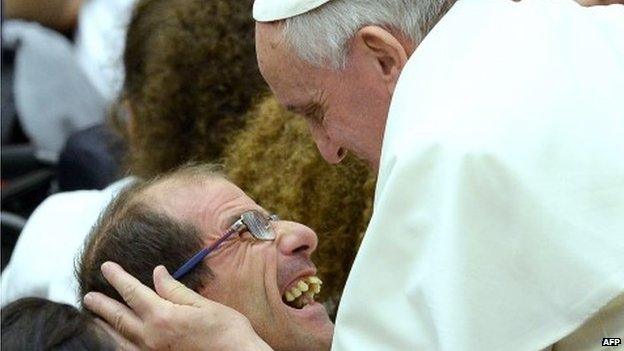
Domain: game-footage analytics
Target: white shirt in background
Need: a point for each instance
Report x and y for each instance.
(43, 261)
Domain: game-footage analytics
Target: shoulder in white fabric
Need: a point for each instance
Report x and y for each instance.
(275, 10)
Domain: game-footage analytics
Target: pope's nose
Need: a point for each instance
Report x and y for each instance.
(295, 239)
(329, 150)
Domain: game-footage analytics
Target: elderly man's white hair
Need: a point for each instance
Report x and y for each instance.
(321, 36)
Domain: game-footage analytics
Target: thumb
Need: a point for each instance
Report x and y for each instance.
(174, 291)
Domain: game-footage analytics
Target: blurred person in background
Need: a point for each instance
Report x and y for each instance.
(67, 67)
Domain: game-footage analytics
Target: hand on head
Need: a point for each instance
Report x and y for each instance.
(173, 317)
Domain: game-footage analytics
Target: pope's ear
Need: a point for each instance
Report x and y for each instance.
(389, 54)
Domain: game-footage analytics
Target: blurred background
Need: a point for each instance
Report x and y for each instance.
(61, 73)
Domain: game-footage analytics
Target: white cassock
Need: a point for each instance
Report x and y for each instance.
(499, 212)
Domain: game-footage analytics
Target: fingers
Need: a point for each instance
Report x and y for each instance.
(177, 293)
(115, 313)
(174, 291)
(139, 297)
(121, 343)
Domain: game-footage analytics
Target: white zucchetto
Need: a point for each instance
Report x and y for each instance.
(274, 10)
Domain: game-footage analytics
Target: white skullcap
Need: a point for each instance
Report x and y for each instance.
(273, 10)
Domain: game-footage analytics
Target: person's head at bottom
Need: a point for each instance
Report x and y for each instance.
(168, 220)
(37, 324)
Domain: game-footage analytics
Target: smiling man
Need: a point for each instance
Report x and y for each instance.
(263, 269)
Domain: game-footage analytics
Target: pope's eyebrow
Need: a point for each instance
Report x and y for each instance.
(312, 110)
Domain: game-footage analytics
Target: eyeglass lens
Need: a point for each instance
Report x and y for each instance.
(258, 225)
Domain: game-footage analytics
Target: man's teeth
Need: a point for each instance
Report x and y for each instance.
(315, 280)
(302, 293)
(302, 286)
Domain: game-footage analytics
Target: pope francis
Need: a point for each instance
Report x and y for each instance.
(497, 129)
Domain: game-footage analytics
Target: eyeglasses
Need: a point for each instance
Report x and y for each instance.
(258, 225)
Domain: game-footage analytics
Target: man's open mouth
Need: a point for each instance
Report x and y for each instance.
(302, 292)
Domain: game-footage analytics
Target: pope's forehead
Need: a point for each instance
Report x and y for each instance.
(292, 80)
(275, 55)
(269, 35)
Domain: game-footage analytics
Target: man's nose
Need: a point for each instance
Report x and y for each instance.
(295, 239)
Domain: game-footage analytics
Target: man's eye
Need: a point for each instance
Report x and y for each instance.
(232, 238)
(246, 235)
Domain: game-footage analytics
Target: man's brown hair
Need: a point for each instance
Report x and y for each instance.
(135, 235)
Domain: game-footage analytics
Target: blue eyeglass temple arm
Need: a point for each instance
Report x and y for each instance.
(198, 257)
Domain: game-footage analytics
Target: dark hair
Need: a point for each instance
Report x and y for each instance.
(191, 74)
(139, 238)
(37, 324)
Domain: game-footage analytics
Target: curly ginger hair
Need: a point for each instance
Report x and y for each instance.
(191, 75)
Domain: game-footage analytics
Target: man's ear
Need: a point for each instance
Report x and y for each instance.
(389, 52)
